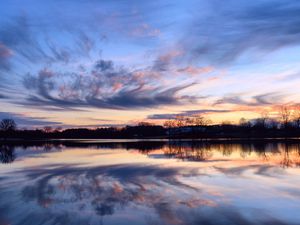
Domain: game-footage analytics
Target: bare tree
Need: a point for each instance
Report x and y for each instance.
(169, 123)
(180, 121)
(189, 121)
(200, 121)
(244, 123)
(285, 115)
(58, 129)
(145, 124)
(263, 120)
(265, 117)
(8, 125)
(274, 124)
(296, 116)
(48, 129)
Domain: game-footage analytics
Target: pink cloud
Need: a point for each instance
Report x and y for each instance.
(5, 52)
(195, 70)
(145, 30)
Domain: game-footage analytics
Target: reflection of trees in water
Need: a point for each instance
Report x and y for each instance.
(7, 154)
(143, 146)
(286, 160)
(51, 147)
(288, 153)
(284, 154)
(192, 152)
(225, 149)
(46, 147)
(298, 154)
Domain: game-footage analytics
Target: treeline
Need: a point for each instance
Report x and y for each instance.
(286, 124)
(142, 130)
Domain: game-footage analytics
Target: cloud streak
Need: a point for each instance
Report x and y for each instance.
(5, 54)
(165, 116)
(103, 86)
(227, 31)
(265, 99)
(28, 121)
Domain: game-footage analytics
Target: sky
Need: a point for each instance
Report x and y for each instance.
(90, 63)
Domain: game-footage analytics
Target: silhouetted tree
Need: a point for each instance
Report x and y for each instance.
(180, 121)
(274, 124)
(296, 116)
(262, 122)
(189, 121)
(200, 121)
(169, 123)
(145, 124)
(58, 129)
(244, 123)
(285, 114)
(48, 129)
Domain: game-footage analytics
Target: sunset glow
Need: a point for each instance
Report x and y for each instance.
(112, 63)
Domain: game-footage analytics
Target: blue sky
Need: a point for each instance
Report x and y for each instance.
(91, 63)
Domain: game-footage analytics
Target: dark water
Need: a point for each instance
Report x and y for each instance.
(129, 182)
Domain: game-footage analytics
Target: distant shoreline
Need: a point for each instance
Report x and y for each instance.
(146, 131)
(126, 140)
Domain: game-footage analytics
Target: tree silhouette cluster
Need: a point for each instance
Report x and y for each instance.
(287, 124)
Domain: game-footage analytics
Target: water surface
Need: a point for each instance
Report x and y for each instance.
(149, 182)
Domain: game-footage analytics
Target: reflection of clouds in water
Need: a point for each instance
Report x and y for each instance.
(262, 170)
(150, 194)
(109, 189)
(154, 195)
(232, 216)
(292, 192)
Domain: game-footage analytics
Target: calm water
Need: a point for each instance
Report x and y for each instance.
(159, 182)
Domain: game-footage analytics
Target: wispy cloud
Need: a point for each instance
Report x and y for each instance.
(191, 70)
(5, 54)
(264, 99)
(23, 120)
(165, 116)
(103, 86)
(229, 30)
